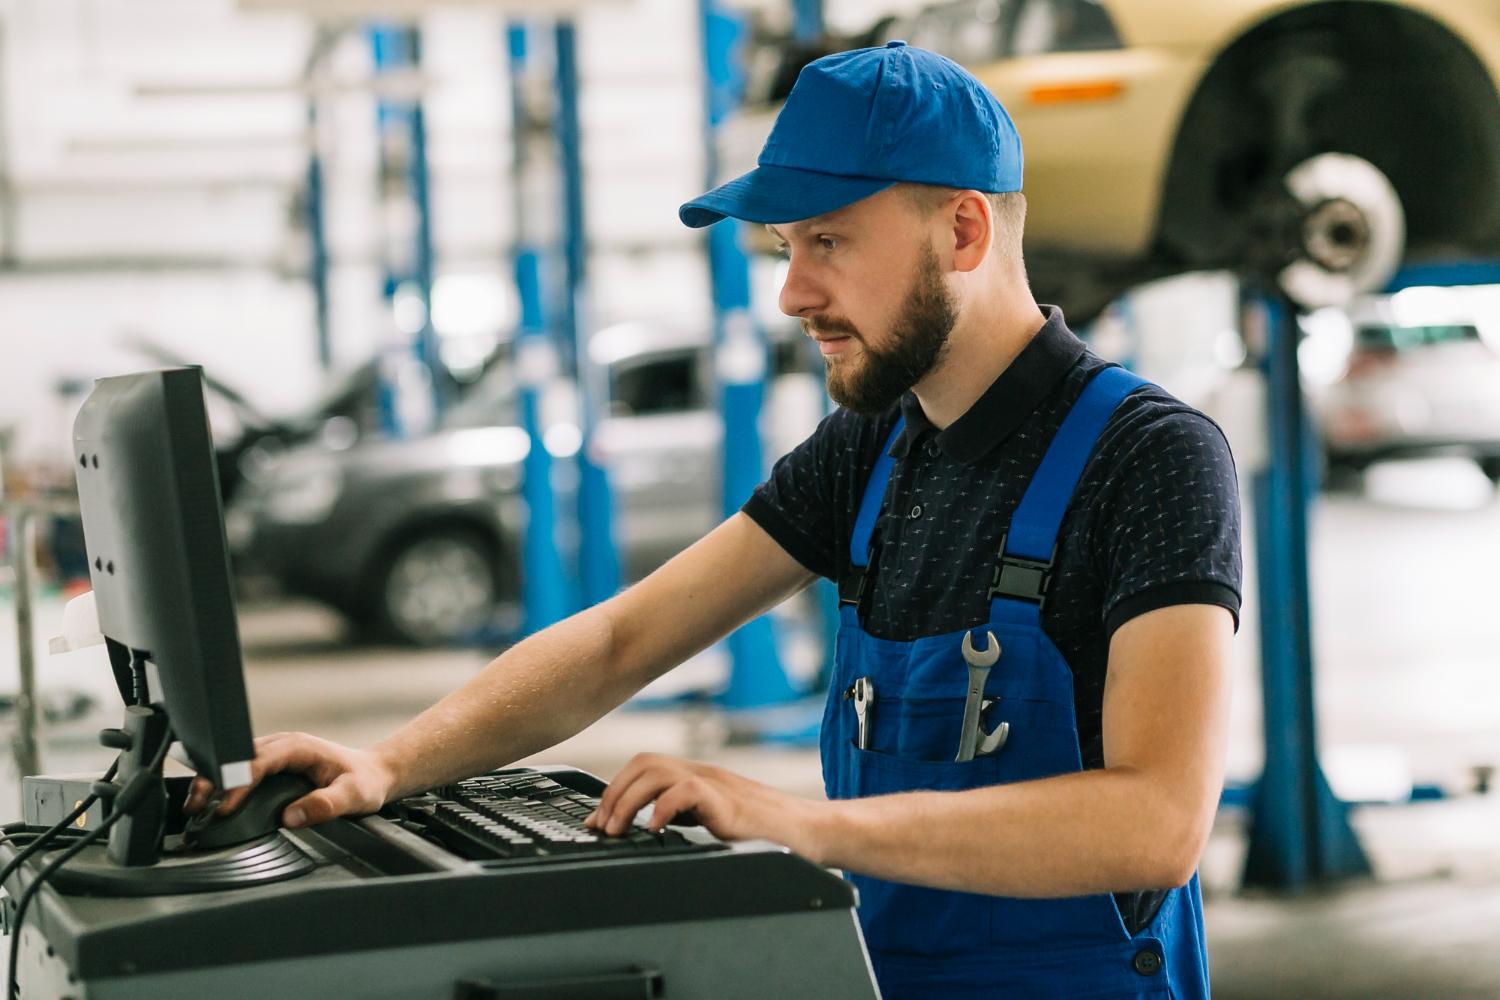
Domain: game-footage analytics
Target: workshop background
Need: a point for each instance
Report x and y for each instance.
(468, 373)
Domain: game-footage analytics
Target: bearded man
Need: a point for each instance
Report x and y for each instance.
(1039, 572)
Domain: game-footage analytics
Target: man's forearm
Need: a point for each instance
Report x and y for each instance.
(534, 695)
(1095, 831)
(564, 678)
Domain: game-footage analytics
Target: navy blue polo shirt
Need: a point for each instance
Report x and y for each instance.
(1155, 520)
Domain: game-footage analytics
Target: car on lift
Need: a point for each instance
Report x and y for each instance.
(1412, 387)
(418, 539)
(1311, 144)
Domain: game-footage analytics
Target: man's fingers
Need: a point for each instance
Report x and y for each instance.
(273, 754)
(198, 793)
(632, 799)
(323, 804)
(628, 773)
(676, 801)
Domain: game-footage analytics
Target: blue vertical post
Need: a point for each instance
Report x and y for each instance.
(1299, 833)
(427, 341)
(403, 132)
(543, 579)
(317, 238)
(599, 562)
(756, 677)
(807, 20)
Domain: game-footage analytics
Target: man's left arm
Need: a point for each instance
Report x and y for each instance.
(1140, 822)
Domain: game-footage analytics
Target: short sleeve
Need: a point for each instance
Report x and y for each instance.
(798, 506)
(1168, 528)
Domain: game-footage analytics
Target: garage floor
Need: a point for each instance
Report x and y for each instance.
(1405, 581)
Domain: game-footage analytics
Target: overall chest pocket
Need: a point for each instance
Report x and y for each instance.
(1040, 739)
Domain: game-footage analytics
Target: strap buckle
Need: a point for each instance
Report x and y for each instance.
(1021, 579)
(854, 585)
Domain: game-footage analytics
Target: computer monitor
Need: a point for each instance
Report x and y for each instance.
(153, 526)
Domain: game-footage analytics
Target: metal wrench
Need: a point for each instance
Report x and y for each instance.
(970, 736)
(864, 707)
(990, 742)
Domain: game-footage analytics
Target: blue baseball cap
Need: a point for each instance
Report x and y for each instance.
(859, 122)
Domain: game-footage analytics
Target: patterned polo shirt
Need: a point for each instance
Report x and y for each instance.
(1154, 522)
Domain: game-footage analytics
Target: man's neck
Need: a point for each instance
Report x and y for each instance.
(984, 343)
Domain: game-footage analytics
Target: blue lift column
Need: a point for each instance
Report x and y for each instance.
(403, 134)
(756, 678)
(317, 237)
(807, 20)
(1299, 832)
(599, 561)
(544, 582)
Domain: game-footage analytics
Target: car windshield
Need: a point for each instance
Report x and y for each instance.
(1405, 338)
(489, 402)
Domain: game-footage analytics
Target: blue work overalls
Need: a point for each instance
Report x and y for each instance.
(930, 943)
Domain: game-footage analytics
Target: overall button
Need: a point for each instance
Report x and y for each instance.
(916, 512)
(1146, 962)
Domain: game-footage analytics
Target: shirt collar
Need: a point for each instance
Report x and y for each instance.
(1011, 398)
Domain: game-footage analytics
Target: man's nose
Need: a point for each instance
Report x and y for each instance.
(801, 295)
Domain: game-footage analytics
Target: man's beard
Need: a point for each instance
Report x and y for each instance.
(918, 339)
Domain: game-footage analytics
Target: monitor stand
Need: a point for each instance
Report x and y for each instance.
(140, 860)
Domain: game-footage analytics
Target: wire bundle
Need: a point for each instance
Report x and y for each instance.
(124, 801)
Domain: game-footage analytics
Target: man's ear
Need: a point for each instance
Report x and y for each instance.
(973, 229)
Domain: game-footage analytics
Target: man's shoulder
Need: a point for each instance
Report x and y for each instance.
(1151, 420)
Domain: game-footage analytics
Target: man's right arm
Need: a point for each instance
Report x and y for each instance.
(550, 686)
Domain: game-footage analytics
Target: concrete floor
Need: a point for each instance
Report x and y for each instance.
(1406, 639)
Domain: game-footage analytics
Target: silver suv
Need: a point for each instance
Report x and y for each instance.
(419, 539)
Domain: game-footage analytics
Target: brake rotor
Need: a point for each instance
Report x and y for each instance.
(1352, 231)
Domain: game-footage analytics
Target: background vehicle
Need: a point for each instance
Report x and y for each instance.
(1308, 142)
(1414, 390)
(420, 538)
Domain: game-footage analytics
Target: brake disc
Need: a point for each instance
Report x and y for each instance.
(1352, 232)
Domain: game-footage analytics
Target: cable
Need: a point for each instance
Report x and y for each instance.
(31, 890)
(125, 802)
(60, 826)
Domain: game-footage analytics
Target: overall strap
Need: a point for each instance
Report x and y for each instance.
(1029, 545)
(851, 588)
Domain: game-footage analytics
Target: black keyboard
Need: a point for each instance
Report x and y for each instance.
(528, 815)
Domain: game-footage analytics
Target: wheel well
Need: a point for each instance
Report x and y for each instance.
(1400, 90)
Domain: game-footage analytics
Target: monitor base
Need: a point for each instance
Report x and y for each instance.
(272, 858)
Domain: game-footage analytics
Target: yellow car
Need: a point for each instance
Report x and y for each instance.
(1320, 143)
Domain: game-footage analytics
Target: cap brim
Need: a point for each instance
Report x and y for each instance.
(778, 194)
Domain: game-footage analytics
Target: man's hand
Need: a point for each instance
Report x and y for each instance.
(730, 806)
(351, 781)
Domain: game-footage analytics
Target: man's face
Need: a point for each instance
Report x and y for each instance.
(866, 284)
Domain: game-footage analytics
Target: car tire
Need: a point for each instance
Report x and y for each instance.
(438, 587)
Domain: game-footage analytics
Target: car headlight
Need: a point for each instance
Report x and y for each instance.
(303, 492)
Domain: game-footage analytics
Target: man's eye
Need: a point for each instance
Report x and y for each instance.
(828, 243)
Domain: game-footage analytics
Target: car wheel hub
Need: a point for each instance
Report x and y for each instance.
(1353, 230)
(440, 589)
(1335, 235)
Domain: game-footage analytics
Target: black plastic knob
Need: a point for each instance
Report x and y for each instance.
(115, 739)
